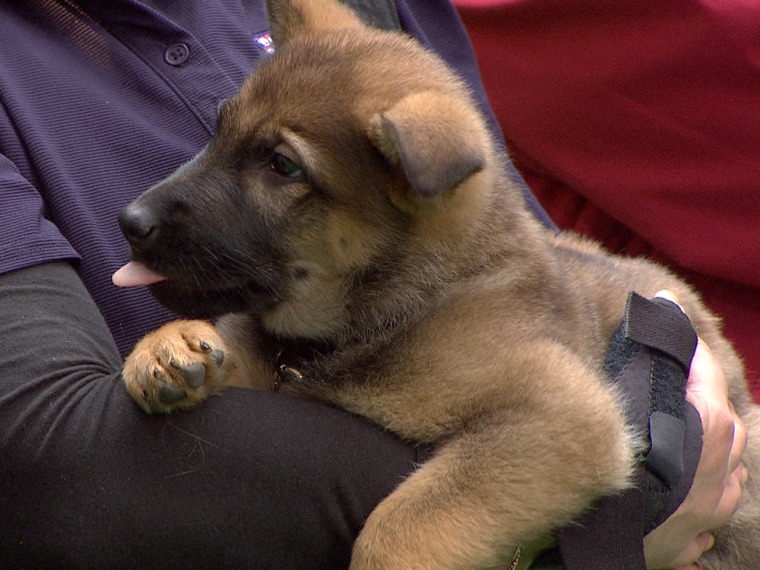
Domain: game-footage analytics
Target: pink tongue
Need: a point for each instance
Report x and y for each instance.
(134, 274)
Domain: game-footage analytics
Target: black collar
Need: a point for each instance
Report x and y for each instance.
(291, 356)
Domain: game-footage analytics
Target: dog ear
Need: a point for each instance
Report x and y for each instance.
(438, 139)
(290, 19)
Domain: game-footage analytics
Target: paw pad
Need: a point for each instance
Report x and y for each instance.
(173, 368)
(168, 394)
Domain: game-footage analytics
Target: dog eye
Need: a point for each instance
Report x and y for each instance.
(283, 166)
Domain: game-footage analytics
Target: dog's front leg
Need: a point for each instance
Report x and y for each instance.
(443, 517)
(484, 493)
(177, 366)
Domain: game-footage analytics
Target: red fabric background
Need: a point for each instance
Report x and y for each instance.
(638, 122)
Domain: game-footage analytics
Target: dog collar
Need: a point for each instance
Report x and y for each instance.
(284, 373)
(291, 357)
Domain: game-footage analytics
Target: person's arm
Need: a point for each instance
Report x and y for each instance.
(248, 480)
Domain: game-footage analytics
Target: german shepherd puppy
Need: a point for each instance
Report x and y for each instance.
(352, 225)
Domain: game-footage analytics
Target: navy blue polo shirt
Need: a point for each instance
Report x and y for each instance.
(102, 99)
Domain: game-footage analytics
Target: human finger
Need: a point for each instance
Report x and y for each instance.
(688, 557)
(730, 498)
(669, 295)
(740, 441)
(706, 378)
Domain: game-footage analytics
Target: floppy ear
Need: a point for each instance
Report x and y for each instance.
(438, 139)
(290, 19)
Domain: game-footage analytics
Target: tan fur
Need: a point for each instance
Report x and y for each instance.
(452, 315)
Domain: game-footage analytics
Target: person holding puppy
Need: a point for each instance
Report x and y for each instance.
(100, 101)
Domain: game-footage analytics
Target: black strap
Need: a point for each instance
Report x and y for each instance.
(661, 326)
(649, 358)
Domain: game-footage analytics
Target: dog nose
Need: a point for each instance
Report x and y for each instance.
(139, 225)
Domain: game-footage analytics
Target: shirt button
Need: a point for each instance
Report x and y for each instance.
(176, 54)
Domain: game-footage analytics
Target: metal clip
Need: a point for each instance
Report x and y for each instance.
(515, 558)
(289, 374)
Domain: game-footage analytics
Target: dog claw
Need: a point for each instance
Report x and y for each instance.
(169, 395)
(194, 374)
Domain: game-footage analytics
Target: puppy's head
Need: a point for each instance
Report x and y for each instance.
(345, 148)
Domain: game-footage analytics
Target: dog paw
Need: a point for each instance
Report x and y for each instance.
(175, 367)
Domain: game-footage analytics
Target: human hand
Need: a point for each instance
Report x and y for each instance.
(717, 487)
